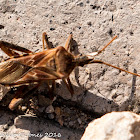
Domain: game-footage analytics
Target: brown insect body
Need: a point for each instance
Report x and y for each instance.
(48, 65)
(51, 64)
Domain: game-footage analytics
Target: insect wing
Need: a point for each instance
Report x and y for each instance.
(11, 71)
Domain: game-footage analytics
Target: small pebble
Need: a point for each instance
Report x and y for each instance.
(5, 127)
(52, 29)
(80, 4)
(89, 23)
(18, 121)
(1, 27)
(23, 108)
(41, 109)
(79, 120)
(71, 123)
(49, 109)
(51, 116)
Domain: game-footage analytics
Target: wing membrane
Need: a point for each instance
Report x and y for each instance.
(36, 75)
(14, 73)
(11, 71)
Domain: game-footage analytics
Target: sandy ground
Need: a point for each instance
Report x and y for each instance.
(97, 87)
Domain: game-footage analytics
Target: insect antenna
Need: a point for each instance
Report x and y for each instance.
(98, 52)
(93, 54)
(102, 62)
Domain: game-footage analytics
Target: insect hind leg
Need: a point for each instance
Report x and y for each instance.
(21, 94)
(45, 39)
(9, 48)
(68, 42)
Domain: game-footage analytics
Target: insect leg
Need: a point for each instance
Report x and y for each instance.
(51, 89)
(69, 85)
(45, 38)
(18, 97)
(68, 42)
(21, 94)
(12, 47)
(9, 52)
(98, 52)
(25, 91)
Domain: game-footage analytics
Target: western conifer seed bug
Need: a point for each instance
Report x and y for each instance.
(46, 66)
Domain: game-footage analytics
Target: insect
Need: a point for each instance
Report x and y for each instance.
(46, 66)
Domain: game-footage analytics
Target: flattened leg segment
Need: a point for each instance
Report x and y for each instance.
(10, 46)
(18, 98)
(9, 52)
(20, 95)
(23, 93)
